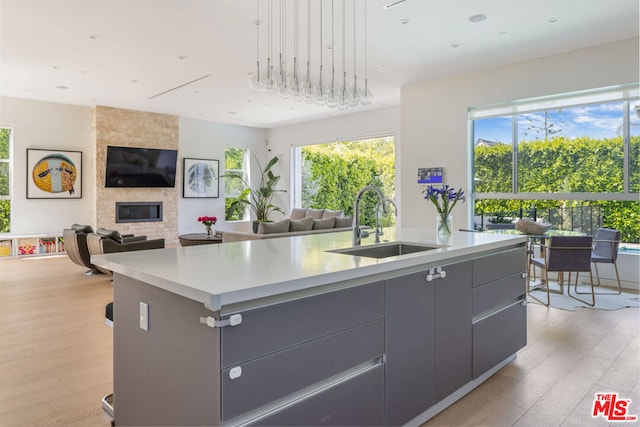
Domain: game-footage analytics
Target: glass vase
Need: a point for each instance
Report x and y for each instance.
(208, 230)
(444, 223)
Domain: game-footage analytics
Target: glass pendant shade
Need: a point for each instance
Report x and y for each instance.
(280, 74)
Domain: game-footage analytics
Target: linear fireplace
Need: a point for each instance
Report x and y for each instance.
(138, 212)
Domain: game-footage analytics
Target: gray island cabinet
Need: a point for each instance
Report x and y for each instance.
(321, 339)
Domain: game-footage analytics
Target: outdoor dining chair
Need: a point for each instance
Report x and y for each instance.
(565, 254)
(605, 250)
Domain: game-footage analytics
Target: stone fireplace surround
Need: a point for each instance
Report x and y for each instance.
(113, 126)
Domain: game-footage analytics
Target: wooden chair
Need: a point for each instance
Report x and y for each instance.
(565, 254)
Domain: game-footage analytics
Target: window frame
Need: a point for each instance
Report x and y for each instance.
(246, 172)
(622, 93)
(9, 163)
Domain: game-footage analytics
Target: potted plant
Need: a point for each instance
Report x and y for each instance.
(259, 199)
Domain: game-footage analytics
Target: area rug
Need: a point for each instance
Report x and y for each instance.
(603, 302)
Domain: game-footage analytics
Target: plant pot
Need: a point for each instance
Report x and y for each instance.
(256, 224)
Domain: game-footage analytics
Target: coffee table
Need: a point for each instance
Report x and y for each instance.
(199, 239)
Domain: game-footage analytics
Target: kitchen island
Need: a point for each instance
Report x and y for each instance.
(290, 332)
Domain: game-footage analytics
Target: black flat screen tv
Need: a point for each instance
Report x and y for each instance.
(140, 167)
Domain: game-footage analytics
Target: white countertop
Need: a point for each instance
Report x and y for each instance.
(229, 273)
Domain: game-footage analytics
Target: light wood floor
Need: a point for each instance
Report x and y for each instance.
(56, 360)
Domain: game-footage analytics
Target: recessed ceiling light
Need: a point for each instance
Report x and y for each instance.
(182, 57)
(134, 81)
(454, 45)
(94, 36)
(502, 33)
(553, 19)
(256, 22)
(62, 87)
(55, 67)
(477, 18)
(392, 4)
(404, 21)
(233, 112)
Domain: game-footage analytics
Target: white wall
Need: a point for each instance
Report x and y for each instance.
(360, 125)
(434, 113)
(51, 126)
(207, 140)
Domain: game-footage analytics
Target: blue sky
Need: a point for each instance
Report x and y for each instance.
(597, 120)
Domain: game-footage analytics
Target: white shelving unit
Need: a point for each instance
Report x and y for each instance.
(29, 246)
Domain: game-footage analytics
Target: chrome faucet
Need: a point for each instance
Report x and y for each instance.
(356, 209)
(378, 227)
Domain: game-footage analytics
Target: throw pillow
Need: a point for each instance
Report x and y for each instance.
(297, 213)
(344, 221)
(321, 224)
(531, 227)
(274, 227)
(328, 213)
(314, 213)
(301, 224)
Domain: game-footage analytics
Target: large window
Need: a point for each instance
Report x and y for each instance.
(236, 162)
(575, 151)
(330, 175)
(5, 188)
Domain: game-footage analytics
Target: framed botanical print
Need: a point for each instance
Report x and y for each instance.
(54, 174)
(201, 178)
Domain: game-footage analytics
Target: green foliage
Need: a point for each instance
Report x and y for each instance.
(258, 198)
(332, 175)
(562, 165)
(493, 168)
(5, 205)
(5, 216)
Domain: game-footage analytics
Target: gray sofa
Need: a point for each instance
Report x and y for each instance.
(300, 222)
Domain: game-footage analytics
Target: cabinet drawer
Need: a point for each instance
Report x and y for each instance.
(277, 375)
(358, 401)
(499, 292)
(499, 265)
(270, 329)
(498, 336)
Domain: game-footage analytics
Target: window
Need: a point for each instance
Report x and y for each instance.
(5, 196)
(634, 146)
(330, 175)
(566, 152)
(236, 162)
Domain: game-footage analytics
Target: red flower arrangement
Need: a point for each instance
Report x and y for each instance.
(208, 221)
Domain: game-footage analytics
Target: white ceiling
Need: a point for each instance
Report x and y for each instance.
(46, 44)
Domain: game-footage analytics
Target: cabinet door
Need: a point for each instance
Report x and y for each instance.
(282, 374)
(358, 401)
(453, 351)
(409, 347)
(498, 336)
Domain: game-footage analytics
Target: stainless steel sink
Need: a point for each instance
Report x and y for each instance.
(385, 250)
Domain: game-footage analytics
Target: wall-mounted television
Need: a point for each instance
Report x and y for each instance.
(140, 167)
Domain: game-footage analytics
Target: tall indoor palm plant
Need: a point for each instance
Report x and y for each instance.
(259, 199)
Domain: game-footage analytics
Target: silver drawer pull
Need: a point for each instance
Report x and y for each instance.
(436, 273)
(212, 322)
(235, 372)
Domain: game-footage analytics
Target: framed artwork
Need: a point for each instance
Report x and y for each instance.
(430, 175)
(200, 178)
(54, 174)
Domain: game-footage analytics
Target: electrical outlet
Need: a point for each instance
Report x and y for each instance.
(144, 316)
